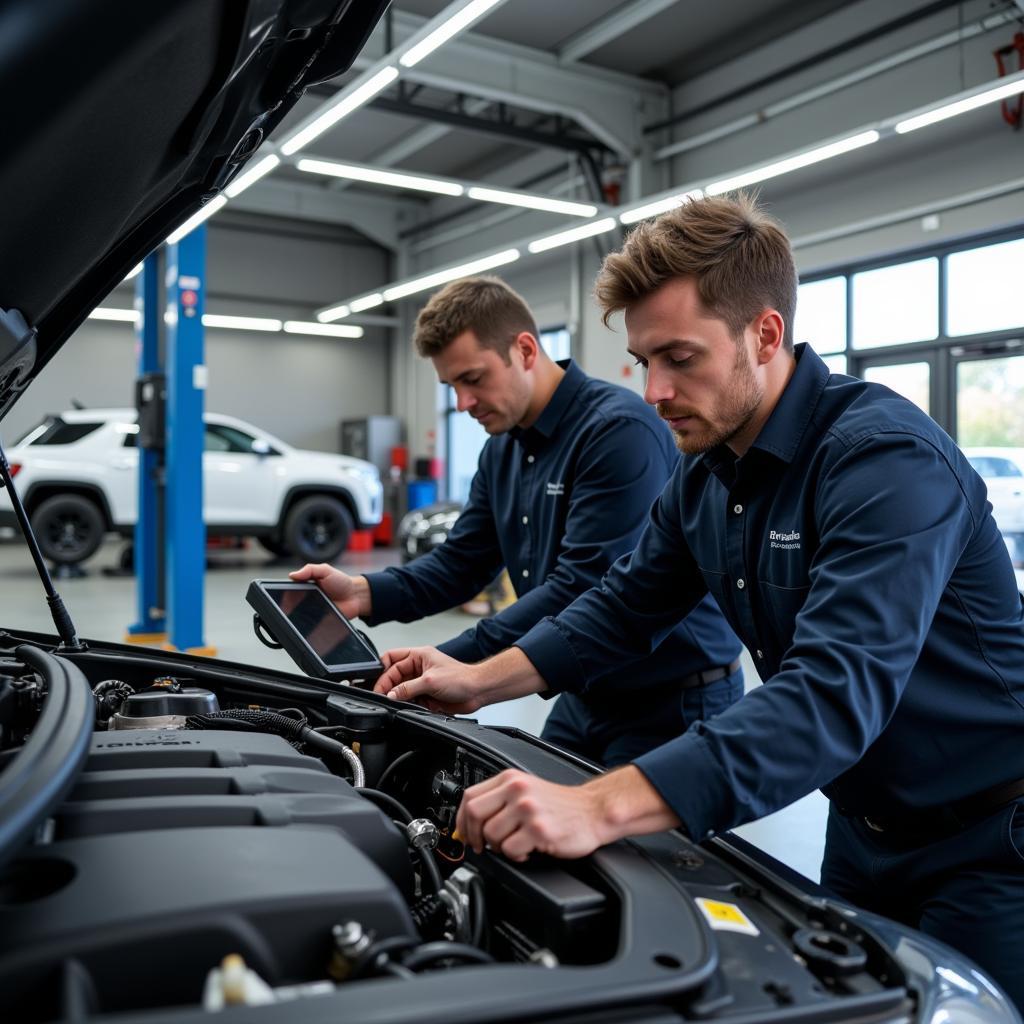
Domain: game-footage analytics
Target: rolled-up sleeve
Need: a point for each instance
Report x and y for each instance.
(884, 558)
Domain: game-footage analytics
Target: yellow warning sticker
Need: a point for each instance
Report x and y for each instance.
(726, 917)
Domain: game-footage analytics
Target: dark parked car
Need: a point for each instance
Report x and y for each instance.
(180, 834)
(426, 528)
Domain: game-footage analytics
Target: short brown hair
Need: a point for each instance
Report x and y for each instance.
(487, 306)
(740, 257)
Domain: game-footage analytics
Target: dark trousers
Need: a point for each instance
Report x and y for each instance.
(965, 889)
(614, 732)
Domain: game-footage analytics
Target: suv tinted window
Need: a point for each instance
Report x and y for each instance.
(222, 438)
(59, 432)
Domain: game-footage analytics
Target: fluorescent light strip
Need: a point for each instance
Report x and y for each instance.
(128, 316)
(455, 24)
(334, 313)
(367, 302)
(196, 219)
(598, 227)
(531, 202)
(659, 206)
(381, 177)
(793, 163)
(349, 102)
(241, 323)
(324, 330)
(1000, 92)
(251, 176)
(422, 284)
(134, 272)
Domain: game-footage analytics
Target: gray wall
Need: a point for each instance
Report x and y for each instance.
(295, 387)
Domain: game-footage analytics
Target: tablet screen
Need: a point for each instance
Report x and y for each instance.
(314, 617)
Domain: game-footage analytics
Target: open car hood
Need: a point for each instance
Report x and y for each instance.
(120, 121)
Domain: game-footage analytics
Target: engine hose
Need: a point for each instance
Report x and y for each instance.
(431, 952)
(248, 719)
(387, 803)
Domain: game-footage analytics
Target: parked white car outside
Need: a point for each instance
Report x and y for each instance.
(1002, 469)
(76, 474)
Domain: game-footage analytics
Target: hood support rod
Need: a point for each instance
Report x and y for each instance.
(61, 618)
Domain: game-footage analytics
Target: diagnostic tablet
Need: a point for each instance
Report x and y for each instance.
(308, 625)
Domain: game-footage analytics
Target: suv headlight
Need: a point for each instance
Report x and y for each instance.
(367, 475)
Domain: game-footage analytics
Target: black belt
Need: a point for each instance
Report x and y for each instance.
(935, 822)
(708, 675)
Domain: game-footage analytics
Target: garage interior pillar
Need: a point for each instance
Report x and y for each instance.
(185, 537)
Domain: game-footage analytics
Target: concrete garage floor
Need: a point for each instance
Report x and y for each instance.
(103, 606)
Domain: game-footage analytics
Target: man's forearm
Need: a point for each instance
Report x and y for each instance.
(626, 804)
(507, 675)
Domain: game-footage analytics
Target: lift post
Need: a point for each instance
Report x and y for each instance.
(185, 535)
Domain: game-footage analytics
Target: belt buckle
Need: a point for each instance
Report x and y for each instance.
(874, 826)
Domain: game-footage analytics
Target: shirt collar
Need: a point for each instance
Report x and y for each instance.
(552, 413)
(782, 433)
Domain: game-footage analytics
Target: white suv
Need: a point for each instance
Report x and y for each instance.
(76, 474)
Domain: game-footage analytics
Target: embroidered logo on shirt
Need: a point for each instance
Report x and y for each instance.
(784, 541)
(555, 489)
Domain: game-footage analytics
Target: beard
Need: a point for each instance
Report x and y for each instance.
(734, 412)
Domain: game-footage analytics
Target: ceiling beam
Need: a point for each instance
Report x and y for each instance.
(612, 106)
(607, 29)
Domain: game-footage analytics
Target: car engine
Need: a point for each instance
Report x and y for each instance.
(180, 837)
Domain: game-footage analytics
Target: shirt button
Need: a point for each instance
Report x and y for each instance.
(740, 584)
(760, 654)
(526, 519)
(737, 509)
(526, 572)
(530, 458)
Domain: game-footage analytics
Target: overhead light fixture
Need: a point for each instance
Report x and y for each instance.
(793, 163)
(241, 323)
(531, 202)
(323, 330)
(128, 316)
(1000, 92)
(367, 302)
(422, 284)
(334, 313)
(598, 227)
(349, 101)
(196, 219)
(251, 176)
(377, 176)
(659, 206)
(457, 23)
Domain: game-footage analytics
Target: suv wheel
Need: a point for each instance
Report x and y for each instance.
(69, 528)
(317, 529)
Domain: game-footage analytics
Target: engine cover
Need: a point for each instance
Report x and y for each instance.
(178, 848)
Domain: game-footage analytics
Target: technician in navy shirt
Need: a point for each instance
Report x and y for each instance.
(851, 546)
(563, 488)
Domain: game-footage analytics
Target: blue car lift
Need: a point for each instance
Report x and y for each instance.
(184, 533)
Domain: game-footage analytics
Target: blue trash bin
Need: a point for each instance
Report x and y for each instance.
(420, 493)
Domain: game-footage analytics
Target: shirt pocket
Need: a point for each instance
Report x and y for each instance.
(782, 605)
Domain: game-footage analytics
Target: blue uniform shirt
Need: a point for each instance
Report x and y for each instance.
(854, 551)
(557, 504)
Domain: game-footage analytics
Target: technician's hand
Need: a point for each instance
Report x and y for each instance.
(430, 678)
(515, 814)
(350, 593)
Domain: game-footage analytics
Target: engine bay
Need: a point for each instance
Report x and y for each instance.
(235, 838)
